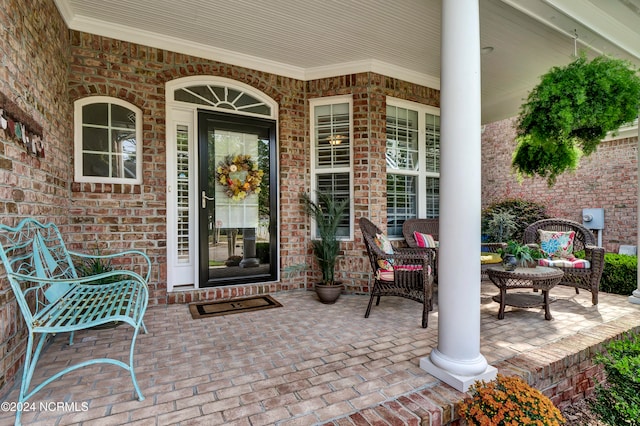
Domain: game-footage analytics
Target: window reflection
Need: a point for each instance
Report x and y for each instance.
(109, 142)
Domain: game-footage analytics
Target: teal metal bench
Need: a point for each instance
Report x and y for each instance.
(53, 298)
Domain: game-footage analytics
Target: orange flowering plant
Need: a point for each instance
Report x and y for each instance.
(508, 401)
(240, 176)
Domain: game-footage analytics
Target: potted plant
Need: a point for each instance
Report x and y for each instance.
(327, 213)
(516, 254)
(571, 111)
(508, 400)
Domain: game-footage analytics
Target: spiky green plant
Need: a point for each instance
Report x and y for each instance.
(327, 212)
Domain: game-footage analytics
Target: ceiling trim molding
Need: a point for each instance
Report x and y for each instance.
(372, 65)
(159, 41)
(65, 10)
(628, 131)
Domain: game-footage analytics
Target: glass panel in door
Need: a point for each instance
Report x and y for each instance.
(237, 200)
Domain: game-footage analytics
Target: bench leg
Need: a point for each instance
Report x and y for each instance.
(131, 369)
(30, 360)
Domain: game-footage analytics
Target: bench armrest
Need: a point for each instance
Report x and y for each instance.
(81, 280)
(115, 255)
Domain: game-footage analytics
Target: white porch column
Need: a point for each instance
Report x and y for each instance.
(457, 359)
(635, 296)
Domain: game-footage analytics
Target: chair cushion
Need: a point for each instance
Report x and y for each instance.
(383, 243)
(566, 262)
(424, 240)
(385, 264)
(388, 274)
(490, 258)
(556, 243)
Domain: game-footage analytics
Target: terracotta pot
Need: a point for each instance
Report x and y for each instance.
(328, 294)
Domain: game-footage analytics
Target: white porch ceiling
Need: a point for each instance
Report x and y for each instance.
(308, 39)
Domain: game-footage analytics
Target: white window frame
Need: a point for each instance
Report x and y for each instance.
(421, 173)
(332, 100)
(78, 151)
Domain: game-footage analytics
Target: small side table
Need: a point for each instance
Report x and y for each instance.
(538, 278)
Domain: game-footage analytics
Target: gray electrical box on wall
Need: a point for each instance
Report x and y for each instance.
(593, 218)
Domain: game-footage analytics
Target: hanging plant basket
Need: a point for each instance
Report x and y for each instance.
(570, 111)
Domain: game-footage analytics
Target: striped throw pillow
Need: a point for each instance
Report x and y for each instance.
(424, 240)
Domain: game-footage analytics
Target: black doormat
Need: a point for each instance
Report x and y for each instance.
(236, 306)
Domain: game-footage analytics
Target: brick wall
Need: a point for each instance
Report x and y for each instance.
(46, 68)
(369, 162)
(606, 179)
(34, 52)
(68, 65)
(123, 216)
(133, 217)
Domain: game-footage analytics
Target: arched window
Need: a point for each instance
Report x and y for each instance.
(108, 141)
(223, 97)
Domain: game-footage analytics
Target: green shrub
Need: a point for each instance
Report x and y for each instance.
(617, 401)
(524, 213)
(620, 274)
(499, 226)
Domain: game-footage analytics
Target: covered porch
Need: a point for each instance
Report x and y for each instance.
(328, 363)
(328, 366)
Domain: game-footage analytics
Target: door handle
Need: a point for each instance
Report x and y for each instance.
(205, 198)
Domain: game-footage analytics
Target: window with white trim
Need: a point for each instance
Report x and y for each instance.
(331, 130)
(108, 141)
(413, 163)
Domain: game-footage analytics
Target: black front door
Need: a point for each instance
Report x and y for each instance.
(237, 193)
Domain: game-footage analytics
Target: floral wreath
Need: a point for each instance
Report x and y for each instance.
(240, 176)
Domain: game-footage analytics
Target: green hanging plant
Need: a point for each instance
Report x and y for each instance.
(571, 111)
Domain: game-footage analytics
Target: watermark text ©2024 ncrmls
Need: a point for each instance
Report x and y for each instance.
(46, 406)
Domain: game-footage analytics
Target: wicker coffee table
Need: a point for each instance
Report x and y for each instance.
(538, 278)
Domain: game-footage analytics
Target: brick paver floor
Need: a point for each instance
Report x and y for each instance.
(302, 364)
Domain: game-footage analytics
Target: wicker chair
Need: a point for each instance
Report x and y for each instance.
(431, 226)
(411, 276)
(587, 279)
(426, 226)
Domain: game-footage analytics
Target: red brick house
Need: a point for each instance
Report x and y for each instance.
(171, 109)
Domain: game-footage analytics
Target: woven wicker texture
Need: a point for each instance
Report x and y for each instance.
(431, 226)
(586, 279)
(411, 284)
